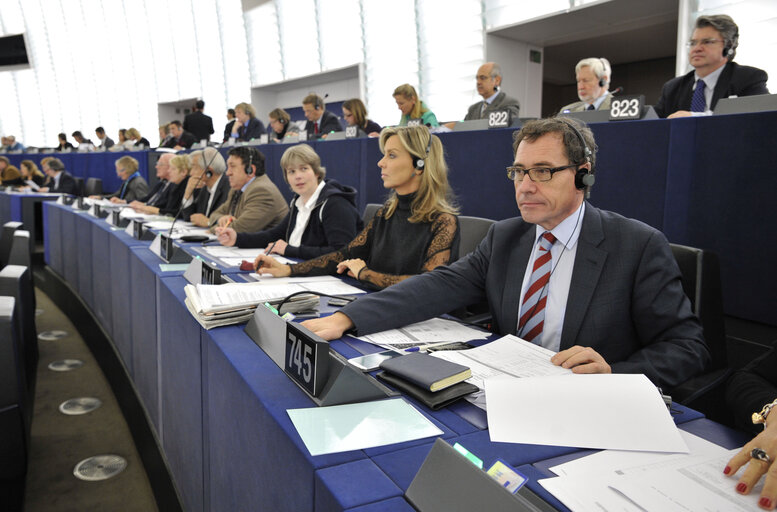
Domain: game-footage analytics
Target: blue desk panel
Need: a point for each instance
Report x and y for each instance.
(52, 236)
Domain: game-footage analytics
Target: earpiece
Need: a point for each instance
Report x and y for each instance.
(602, 83)
(727, 50)
(249, 168)
(208, 173)
(584, 178)
(419, 163)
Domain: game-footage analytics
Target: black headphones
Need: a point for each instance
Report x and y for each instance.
(249, 168)
(419, 163)
(602, 83)
(208, 173)
(584, 178)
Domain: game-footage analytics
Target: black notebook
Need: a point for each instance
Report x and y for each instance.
(430, 373)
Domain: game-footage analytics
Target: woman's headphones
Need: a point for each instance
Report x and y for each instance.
(419, 163)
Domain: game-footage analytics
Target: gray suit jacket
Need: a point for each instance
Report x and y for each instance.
(260, 207)
(625, 298)
(501, 102)
(137, 189)
(580, 106)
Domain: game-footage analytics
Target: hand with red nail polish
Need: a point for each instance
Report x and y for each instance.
(756, 468)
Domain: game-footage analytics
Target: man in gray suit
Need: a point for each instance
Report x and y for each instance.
(611, 299)
(593, 77)
(488, 80)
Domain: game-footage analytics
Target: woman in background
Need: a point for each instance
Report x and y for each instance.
(279, 122)
(30, 172)
(413, 108)
(322, 215)
(355, 114)
(139, 142)
(415, 231)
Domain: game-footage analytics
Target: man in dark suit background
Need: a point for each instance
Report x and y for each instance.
(613, 300)
(180, 138)
(60, 181)
(321, 122)
(199, 124)
(711, 52)
(207, 189)
(488, 80)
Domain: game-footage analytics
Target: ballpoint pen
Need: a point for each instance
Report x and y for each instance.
(269, 251)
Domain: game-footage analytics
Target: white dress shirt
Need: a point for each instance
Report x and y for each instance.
(563, 261)
(303, 216)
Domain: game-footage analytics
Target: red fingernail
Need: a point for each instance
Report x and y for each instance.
(727, 470)
(765, 502)
(741, 487)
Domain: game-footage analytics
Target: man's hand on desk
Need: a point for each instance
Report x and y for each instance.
(199, 219)
(116, 200)
(330, 327)
(265, 264)
(581, 360)
(679, 113)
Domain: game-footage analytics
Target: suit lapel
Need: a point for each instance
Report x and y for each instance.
(722, 85)
(589, 261)
(516, 266)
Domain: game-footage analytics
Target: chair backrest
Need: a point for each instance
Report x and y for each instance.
(16, 282)
(473, 230)
(369, 212)
(13, 431)
(94, 187)
(6, 241)
(79, 186)
(21, 249)
(701, 282)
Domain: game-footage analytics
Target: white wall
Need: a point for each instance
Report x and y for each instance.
(521, 78)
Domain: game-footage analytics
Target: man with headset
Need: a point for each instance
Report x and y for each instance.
(254, 202)
(711, 52)
(593, 77)
(321, 122)
(207, 188)
(601, 290)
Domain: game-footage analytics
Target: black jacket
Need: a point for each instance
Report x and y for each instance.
(186, 140)
(199, 125)
(333, 223)
(201, 197)
(254, 129)
(734, 80)
(67, 184)
(174, 198)
(329, 123)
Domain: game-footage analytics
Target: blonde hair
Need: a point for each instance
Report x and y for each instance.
(130, 164)
(247, 108)
(408, 92)
(434, 195)
(302, 154)
(32, 168)
(181, 164)
(133, 133)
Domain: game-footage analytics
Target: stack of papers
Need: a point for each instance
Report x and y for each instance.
(234, 256)
(436, 331)
(614, 480)
(234, 303)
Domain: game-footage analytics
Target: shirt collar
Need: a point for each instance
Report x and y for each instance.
(598, 101)
(312, 201)
(243, 189)
(710, 80)
(568, 230)
(491, 98)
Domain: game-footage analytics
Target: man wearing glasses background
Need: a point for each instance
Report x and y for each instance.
(602, 290)
(711, 52)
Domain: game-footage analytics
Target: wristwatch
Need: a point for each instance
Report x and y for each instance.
(760, 417)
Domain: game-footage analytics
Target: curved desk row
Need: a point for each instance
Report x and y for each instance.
(217, 402)
(705, 182)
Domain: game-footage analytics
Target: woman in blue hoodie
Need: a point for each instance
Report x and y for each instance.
(322, 214)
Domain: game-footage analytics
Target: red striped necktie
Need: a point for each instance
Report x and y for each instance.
(532, 317)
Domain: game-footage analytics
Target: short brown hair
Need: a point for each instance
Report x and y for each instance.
(315, 100)
(302, 153)
(564, 126)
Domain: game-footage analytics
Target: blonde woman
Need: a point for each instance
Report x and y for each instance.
(412, 107)
(416, 229)
(30, 172)
(140, 142)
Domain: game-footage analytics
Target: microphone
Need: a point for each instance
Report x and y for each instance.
(617, 90)
(170, 233)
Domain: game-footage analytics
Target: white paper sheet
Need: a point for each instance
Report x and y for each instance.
(605, 411)
(584, 484)
(342, 428)
(434, 330)
(694, 483)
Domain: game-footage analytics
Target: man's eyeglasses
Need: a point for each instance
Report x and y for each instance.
(703, 42)
(539, 174)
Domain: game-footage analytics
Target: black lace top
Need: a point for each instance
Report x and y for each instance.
(394, 248)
